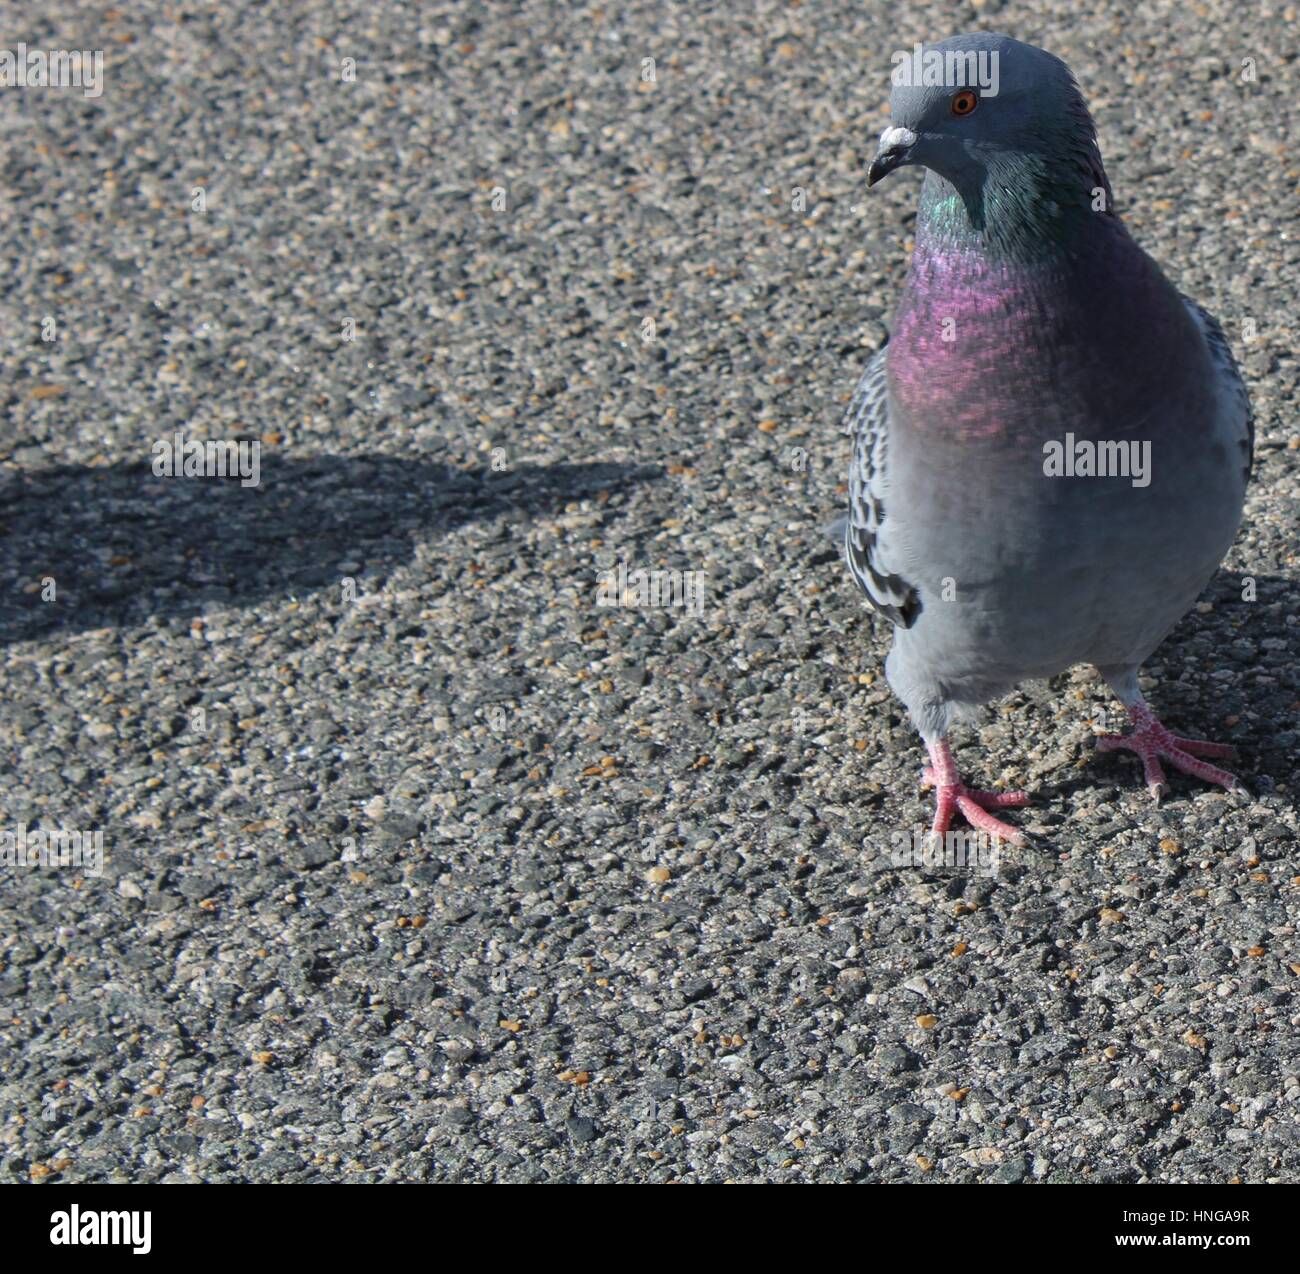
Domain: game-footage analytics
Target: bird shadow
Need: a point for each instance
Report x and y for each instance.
(86, 548)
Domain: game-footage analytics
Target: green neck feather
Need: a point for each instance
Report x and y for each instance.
(1020, 208)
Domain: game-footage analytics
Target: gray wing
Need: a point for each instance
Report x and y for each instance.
(867, 419)
(1241, 420)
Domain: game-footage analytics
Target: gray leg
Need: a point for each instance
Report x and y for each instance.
(1123, 683)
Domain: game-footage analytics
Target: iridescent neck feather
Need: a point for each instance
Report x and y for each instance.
(1026, 311)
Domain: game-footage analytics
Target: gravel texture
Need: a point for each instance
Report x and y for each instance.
(421, 864)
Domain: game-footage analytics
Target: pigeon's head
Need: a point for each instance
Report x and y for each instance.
(982, 102)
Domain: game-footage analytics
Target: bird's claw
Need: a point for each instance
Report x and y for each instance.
(1153, 742)
(952, 795)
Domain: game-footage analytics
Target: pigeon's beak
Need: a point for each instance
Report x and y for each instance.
(895, 147)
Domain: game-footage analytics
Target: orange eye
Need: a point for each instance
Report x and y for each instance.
(964, 102)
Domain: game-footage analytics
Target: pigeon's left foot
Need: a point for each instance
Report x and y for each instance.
(1151, 741)
(952, 794)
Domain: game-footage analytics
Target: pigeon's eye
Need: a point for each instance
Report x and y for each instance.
(964, 102)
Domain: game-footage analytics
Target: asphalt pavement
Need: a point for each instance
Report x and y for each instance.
(425, 858)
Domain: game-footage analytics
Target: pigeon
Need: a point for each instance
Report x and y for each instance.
(1050, 454)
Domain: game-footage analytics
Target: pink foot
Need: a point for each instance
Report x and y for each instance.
(952, 795)
(1151, 741)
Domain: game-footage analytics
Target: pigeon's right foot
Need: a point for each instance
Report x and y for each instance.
(952, 795)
